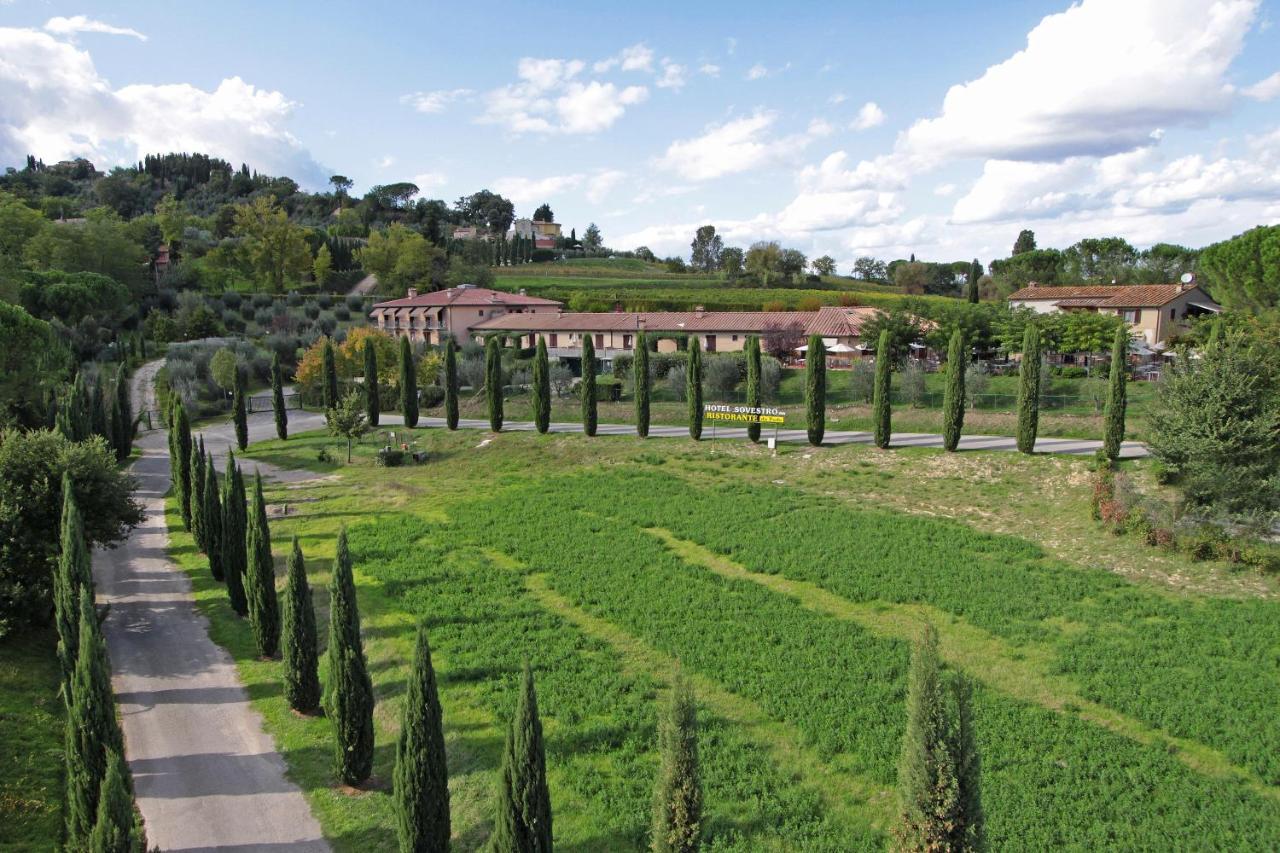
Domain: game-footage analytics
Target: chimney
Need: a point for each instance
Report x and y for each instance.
(413, 291)
(698, 311)
(523, 292)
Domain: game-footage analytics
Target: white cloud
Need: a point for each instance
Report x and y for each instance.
(544, 74)
(868, 117)
(547, 99)
(638, 57)
(886, 172)
(829, 211)
(710, 69)
(57, 106)
(386, 161)
(1266, 89)
(434, 102)
(530, 190)
(738, 145)
(428, 181)
(80, 24)
(672, 77)
(1149, 64)
(602, 183)
(757, 72)
(944, 190)
(837, 98)
(595, 106)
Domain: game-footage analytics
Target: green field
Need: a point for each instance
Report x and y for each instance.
(31, 735)
(1126, 696)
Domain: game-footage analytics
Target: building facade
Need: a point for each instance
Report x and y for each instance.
(432, 317)
(1153, 312)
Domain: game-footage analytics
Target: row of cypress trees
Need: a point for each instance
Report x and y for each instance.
(100, 813)
(101, 407)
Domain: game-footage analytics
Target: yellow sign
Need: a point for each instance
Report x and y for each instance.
(743, 414)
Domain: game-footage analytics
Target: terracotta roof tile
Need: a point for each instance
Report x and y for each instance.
(1107, 295)
(465, 296)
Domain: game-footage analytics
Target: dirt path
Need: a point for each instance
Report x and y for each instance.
(207, 775)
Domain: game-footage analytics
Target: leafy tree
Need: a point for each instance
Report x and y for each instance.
(912, 278)
(239, 412)
(322, 266)
(1026, 242)
(1113, 415)
(486, 210)
(693, 388)
(341, 186)
(677, 800)
(588, 386)
(591, 239)
(523, 821)
(544, 214)
(371, 403)
(870, 269)
(26, 350)
(791, 263)
(421, 783)
(881, 401)
(640, 379)
(541, 388)
(1042, 266)
(116, 827)
(975, 274)
(1105, 260)
(731, 261)
(348, 694)
(235, 559)
(276, 248)
(763, 261)
(1029, 390)
(347, 420)
(212, 513)
(329, 377)
(223, 367)
(277, 398)
(301, 660)
(493, 382)
(1244, 272)
(815, 389)
(408, 385)
(451, 383)
(953, 396)
(938, 770)
(260, 578)
(73, 574)
(825, 265)
(706, 249)
(753, 384)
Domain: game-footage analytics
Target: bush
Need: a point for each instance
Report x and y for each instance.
(431, 396)
(542, 256)
(327, 323)
(770, 378)
(294, 299)
(263, 316)
(312, 310)
(862, 380)
(232, 299)
(325, 301)
(677, 379)
(355, 303)
(1070, 371)
(723, 373)
(262, 300)
(911, 382)
(342, 313)
(390, 457)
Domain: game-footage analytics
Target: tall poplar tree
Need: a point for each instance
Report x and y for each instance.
(971, 289)
(677, 799)
(882, 392)
(953, 395)
(372, 407)
(260, 577)
(693, 388)
(1029, 390)
(349, 691)
(239, 411)
(234, 518)
(451, 383)
(523, 820)
(212, 520)
(640, 381)
(541, 388)
(588, 386)
(753, 384)
(493, 382)
(1113, 414)
(197, 499)
(116, 827)
(277, 399)
(408, 385)
(328, 376)
(73, 573)
(301, 660)
(421, 779)
(182, 462)
(815, 389)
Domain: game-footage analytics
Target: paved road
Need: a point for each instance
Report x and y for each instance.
(207, 776)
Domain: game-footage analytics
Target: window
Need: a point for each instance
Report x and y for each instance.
(1173, 313)
(555, 340)
(626, 342)
(481, 312)
(599, 341)
(711, 343)
(735, 337)
(1131, 315)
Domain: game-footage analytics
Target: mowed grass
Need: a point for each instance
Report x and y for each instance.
(31, 733)
(609, 563)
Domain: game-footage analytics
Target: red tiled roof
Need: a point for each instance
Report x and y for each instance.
(653, 321)
(466, 297)
(836, 322)
(1106, 295)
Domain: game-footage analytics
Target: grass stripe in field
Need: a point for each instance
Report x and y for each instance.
(1022, 672)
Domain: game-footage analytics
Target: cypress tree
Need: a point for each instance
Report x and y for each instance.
(328, 376)
(451, 383)
(677, 800)
(640, 379)
(753, 384)
(260, 577)
(197, 499)
(541, 388)
(349, 690)
(125, 406)
(693, 389)
(882, 393)
(91, 726)
(182, 463)
(975, 273)
(277, 399)
(408, 385)
(953, 396)
(1113, 415)
(100, 418)
(938, 768)
(421, 783)
(815, 389)
(588, 387)
(234, 558)
(301, 679)
(372, 407)
(116, 827)
(239, 412)
(493, 382)
(73, 574)
(1029, 390)
(523, 821)
(212, 520)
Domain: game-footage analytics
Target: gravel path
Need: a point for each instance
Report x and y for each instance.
(207, 776)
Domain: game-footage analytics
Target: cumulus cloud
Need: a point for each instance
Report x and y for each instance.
(434, 102)
(1266, 89)
(57, 106)
(672, 77)
(603, 183)
(738, 145)
(710, 69)
(546, 98)
(868, 117)
(638, 57)
(429, 181)
(80, 24)
(596, 186)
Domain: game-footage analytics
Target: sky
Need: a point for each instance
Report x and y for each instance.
(932, 128)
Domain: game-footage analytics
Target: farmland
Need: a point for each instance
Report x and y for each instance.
(1125, 698)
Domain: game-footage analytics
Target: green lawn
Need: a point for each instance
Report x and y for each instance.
(1126, 696)
(31, 733)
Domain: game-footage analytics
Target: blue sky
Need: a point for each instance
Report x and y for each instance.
(839, 128)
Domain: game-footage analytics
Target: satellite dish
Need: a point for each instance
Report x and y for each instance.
(1187, 278)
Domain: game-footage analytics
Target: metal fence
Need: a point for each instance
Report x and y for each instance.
(152, 419)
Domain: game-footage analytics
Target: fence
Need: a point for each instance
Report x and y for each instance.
(151, 419)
